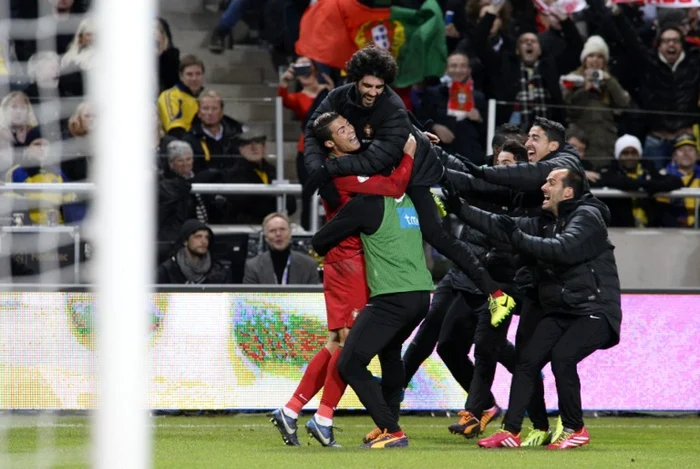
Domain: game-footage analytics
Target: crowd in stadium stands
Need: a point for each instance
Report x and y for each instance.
(623, 77)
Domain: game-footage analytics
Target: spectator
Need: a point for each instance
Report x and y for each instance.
(213, 135)
(593, 88)
(192, 263)
(168, 57)
(457, 111)
(80, 53)
(253, 169)
(670, 81)
(232, 14)
(280, 265)
(176, 203)
(76, 150)
(629, 172)
(64, 14)
(303, 103)
(178, 105)
(524, 76)
(53, 208)
(47, 82)
(17, 115)
(681, 212)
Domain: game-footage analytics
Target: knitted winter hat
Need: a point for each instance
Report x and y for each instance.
(627, 141)
(595, 44)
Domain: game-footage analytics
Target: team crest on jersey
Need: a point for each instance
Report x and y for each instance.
(368, 131)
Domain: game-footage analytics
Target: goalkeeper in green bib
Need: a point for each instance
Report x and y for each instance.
(400, 286)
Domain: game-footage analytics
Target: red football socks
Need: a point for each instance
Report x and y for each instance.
(333, 388)
(311, 382)
(497, 294)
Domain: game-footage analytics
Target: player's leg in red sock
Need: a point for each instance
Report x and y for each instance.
(311, 382)
(333, 388)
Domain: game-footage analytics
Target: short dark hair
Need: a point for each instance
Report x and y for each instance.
(574, 179)
(506, 132)
(554, 131)
(577, 132)
(190, 60)
(322, 126)
(517, 149)
(373, 61)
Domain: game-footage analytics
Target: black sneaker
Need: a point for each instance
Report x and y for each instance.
(217, 43)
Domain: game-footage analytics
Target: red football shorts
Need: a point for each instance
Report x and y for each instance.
(345, 290)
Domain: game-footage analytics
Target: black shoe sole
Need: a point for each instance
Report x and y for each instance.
(280, 428)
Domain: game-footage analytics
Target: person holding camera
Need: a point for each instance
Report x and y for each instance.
(303, 103)
(596, 98)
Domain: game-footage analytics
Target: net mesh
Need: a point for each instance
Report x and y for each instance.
(45, 138)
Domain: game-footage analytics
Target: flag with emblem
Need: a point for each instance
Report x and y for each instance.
(416, 37)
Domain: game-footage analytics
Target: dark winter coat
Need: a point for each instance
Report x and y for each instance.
(576, 269)
(214, 154)
(383, 130)
(663, 88)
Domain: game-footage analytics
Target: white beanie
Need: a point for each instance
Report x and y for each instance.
(627, 141)
(595, 44)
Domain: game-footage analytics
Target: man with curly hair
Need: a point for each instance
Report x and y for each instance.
(383, 125)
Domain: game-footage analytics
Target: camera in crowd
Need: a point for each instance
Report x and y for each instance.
(574, 80)
(302, 70)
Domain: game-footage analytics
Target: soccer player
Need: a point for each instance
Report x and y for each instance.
(382, 122)
(579, 290)
(400, 286)
(345, 286)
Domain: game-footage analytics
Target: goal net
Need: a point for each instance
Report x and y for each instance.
(76, 228)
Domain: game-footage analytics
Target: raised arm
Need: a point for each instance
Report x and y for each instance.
(471, 187)
(390, 186)
(583, 239)
(384, 152)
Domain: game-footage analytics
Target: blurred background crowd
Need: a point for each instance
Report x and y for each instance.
(623, 77)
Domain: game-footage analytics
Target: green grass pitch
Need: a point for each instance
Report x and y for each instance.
(250, 441)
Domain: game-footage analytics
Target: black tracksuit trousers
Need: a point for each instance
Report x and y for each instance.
(564, 340)
(381, 328)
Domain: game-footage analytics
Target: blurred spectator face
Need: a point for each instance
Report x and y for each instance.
(370, 88)
(579, 146)
(594, 61)
(538, 145)
(18, 111)
(629, 158)
(670, 45)
(210, 112)
(86, 38)
(198, 243)
(505, 158)
(162, 42)
(458, 68)
(47, 71)
(182, 165)
(37, 151)
(253, 151)
(87, 118)
(344, 137)
(685, 157)
(193, 78)
(305, 79)
(529, 48)
(277, 233)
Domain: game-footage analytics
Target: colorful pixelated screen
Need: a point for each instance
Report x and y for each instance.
(249, 350)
